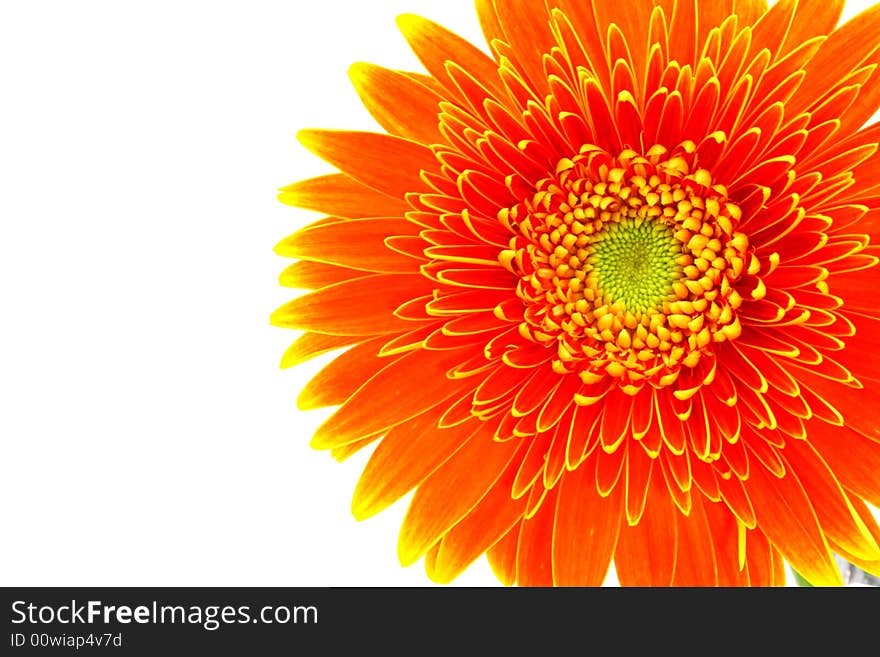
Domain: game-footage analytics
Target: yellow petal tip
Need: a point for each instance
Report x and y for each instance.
(357, 72)
(408, 23)
(308, 137)
(361, 509)
(407, 552)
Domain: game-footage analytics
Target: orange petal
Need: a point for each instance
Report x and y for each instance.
(583, 435)
(609, 468)
(558, 403)
(527, 33)
(844, 51)
(582, 37)
(338, 195)
(762, 560)
(502, 383)
(414, 339)
(862, 109)
(734, 494)
(306, 275)
(329, 310)
(556, 452)
(725, 538)
(400, 104)
(696, 563)
(435, 45)
(856, 406)
(870, 522)
(646, 554)
(387, 164)
(491, 519)
(309, 345)
(834, 510)
(771, 30)
(863, 362)
(406, 456)
(488, 18)
(785, 514)
(670, 427)
(357, 244)
(585, 530)
(617, 412)
(639, 467)
(531, 465)
(342, 376)
(683, 26)
(680, 494)
(854, 459)
(857, 290)
(380, 403)
(536, 389)
(342, 452)
(749, 11)
(431, 559)
(712, 15)
(534, 559)
(502, 556)
(452, 491)
(633, 20)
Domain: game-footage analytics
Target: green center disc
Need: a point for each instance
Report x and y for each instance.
(634, 260)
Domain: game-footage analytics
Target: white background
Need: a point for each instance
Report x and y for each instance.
(148, 436)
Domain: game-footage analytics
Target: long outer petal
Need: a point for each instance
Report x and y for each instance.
(341, 196)
(646, 553)
(387, 164)
(451, 492)
(400, 104)
(380, 403)
(785, 514)
(408, 454)
(585, 530)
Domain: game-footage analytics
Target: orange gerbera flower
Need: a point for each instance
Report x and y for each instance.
(609, 294)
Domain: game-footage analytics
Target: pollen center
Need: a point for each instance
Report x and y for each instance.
(630, 266)
(633, 262)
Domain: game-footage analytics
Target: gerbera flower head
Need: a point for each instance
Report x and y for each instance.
(608, 293)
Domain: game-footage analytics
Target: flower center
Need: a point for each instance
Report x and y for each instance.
(629, 266)
(633, 262)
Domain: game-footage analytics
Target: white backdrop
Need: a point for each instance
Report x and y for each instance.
(149, 437)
